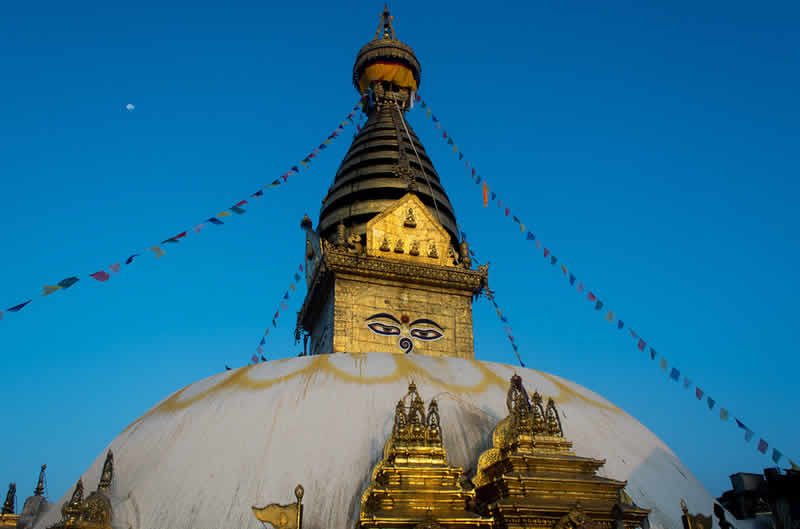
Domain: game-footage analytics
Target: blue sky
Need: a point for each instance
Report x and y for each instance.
(652, 149)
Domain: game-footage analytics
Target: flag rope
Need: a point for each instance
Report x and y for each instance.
(103, 276)
(599, 305)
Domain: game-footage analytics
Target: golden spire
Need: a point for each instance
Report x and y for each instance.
(386, 24)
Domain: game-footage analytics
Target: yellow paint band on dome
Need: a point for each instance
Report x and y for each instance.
(392, 72)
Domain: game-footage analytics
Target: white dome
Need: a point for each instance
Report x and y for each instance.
(202, 457)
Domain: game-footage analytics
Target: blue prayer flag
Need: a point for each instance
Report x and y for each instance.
(215, 220)
(674, 374)
(711, 403)
(531, 237)
(620, 324)
(17, 308)
(572, 279)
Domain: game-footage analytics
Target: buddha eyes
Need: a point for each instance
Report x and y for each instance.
(426, 334)
(382, 328)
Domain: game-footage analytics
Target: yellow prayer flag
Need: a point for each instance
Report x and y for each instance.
(224, 214)
(428, 113)
(304, 164)
(610, 316)
(564, 269)
(521, 227)
(49, 289)
(327, 142)
(343, 123)
(158, 251)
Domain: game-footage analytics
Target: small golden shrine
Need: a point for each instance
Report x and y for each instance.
(8, 518)
(95, 511)
(531, 477)
(414, 485)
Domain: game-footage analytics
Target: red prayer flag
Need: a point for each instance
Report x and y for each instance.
(301, 268)
(101, 276)
(641, 344)
(699, 393)
(277, 313)
(762, 446)
(591, 297)
(183, 233)
(507, 212)
(444, 134)
(546, 252)
(243, 202)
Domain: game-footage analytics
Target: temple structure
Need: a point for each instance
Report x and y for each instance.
(388, 311)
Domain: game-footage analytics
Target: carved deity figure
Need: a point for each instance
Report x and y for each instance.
(354, 243)
(414, 248)
(398, 247)
(433, 252)
(385, 244)
(410, 221)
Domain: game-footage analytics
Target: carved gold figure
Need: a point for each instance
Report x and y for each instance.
(95, 511)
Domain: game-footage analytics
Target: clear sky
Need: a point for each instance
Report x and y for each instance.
(653, 149)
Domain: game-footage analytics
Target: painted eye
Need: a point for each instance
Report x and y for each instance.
(426, 334)
(382, 328)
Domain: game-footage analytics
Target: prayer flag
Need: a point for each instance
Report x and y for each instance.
(776, 455)
(158, 251)
(296, 276)
(579, 288)
(531, 237)
(304, 164)
(641, 345)
(292, 286)
(254, 358)
(273, 323)
(301, 268)
(485, 195)
(114, 267)
(653, 356)
(241, 203)
(266, 332)
(263, 359)
(546, 252)
(620, 324)
(455, 148)
(434, 119)
(170, 240)
(49, 289)
(478, 180)
(591, 297)
(68, 282)
(515, 219)
(507, 212)
(564, 269)
(450, 141)
(686, 382)
(503, 319)
(553, 260)
(538, 244)
(286, 295)
(710, 403)
(238, 210)
(295, 169)
(748, 433)
(572, 279)
(633, 334)
(675, 374)
(664, 363)
(699, 393)
(444, 134)
(461, 156)
(260, 350)
(263, 341)
(17, 308)
(428, 113)
(322, 146)
(214, 220)
(224, 214)
(258, 194)
(284, 306)
(178, 236)
(101, 276)
(610, 316)
(494, 195)
(598, 305)
(723, 414)
(198, 228)
(129, 260)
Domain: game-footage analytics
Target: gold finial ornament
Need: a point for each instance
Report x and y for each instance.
(8, 506)
(283, 516)
(40, 486)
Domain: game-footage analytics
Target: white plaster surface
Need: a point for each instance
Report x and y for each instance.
(203, 456)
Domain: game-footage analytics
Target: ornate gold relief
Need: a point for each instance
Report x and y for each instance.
(410, 221)
(8, 520)
(531, 477)
(95, 511)
(283, 516)
(413, 485)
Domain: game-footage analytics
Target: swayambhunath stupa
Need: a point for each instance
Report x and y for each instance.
(388, 420)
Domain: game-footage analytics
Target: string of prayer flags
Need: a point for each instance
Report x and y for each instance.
(282, 306)
(490, 295)
(237, 208)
